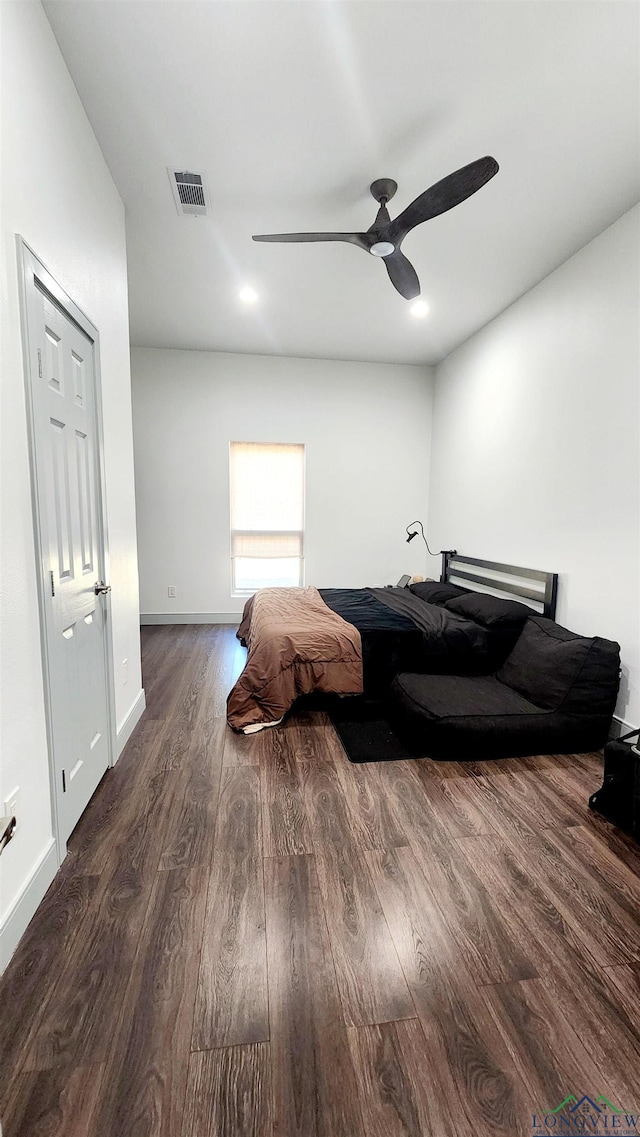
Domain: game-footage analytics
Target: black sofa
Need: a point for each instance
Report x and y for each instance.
(555, 693)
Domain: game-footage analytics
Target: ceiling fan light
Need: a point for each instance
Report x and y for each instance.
(419, 309)
(382, 249)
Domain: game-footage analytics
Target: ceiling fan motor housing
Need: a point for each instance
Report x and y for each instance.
(383, 189)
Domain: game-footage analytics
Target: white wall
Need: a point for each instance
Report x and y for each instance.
(366, 428)
(535, 442)
(58, 194)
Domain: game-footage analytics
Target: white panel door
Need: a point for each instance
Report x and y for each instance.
(65, 438)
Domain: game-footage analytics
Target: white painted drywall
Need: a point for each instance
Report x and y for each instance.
(536, 445)
(58, 194)
(366, 428)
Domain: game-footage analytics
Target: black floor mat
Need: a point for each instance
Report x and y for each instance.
(366, 734)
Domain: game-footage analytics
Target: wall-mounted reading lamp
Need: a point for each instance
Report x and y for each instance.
(452, 552)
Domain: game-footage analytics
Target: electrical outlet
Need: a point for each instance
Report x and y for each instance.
(10, 804)
(172, 591)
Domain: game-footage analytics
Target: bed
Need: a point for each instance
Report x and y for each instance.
(354, 641)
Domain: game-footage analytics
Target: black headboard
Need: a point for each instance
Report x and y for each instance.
(537, 589)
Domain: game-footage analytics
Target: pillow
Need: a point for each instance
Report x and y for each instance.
(435, 591)
(490, 611)
(542, 666)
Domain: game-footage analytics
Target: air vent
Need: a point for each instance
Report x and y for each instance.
(189, 192)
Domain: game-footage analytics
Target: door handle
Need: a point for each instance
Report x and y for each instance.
(100, 588)
(7, 829)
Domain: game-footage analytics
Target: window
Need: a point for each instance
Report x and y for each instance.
(267, 514)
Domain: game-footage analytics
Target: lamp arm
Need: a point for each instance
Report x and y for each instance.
(425, 539)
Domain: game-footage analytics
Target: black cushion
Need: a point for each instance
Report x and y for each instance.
(554, 667)
(457, 696)
(435, 591)
(490, 611)
(594, 688)
(598, 682)
(462, 717)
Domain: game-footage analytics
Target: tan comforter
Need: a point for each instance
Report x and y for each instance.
(296, 645)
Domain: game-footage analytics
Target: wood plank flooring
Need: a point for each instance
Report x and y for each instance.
(250, 937)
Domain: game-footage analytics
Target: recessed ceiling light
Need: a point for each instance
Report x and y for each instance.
(248, 295)
(419, 309)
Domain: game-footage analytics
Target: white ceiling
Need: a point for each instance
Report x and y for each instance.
(293, 108)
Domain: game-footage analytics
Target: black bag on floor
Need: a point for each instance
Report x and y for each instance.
(619, 797)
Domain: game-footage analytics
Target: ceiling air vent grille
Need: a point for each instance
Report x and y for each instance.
(189, 192)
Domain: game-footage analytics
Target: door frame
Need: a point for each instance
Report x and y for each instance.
(29, 267)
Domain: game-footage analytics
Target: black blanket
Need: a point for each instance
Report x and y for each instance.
(391, 642)
(444, 632)
(400, 632)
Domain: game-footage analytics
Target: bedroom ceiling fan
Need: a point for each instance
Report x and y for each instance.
(385, 236)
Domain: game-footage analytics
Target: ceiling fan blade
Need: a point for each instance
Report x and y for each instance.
(402, 275)
(443, 196)
(295, 238)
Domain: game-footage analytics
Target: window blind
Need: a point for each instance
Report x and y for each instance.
(267, 512)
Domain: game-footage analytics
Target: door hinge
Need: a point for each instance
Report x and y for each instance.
(64, 783)
(53, 587)
(39, 363)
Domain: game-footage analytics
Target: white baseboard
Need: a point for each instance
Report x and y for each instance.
(190, 617)
(24, 906)
(26, 902)
(620, 726)
(127, 727)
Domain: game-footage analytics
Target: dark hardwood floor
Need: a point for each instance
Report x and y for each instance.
(251, 937)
